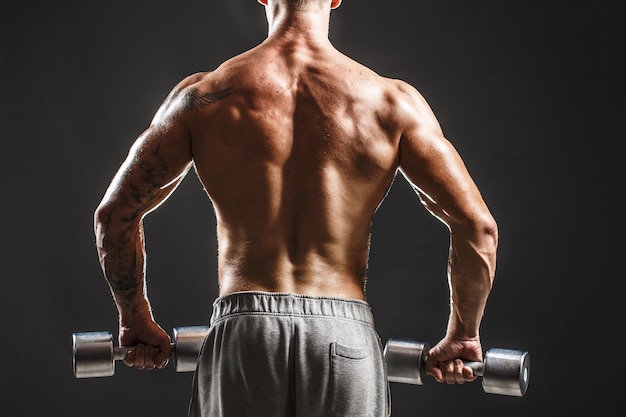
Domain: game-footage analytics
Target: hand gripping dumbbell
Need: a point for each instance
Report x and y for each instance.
(95, 356)
(503, 371)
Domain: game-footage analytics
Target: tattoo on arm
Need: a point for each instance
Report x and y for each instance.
(195, 99)
(122, 246)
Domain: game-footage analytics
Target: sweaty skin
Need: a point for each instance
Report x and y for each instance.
(296, 146)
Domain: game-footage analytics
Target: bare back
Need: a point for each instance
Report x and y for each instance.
(296, 158)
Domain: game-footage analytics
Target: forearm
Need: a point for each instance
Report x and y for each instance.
(121, 252)
(472, 265)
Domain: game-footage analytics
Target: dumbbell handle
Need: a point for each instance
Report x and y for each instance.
(119, 352)
(477, 367)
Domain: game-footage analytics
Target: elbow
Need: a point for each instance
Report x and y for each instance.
(102, 220)
(101, 215)
(479, 228)
(487, 244)
(110, 220)
(485, 236)
(104, 214)
(489, 230)
(479, 234)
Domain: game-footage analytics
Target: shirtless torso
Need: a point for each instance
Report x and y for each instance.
(296, 158)
(296, 145)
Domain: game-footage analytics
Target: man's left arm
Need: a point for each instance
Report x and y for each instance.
(156, 164)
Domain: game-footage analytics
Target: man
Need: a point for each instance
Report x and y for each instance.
(296, 146)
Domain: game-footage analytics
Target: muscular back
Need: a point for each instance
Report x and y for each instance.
(296, 148)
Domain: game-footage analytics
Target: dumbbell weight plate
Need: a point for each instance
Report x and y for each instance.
(93, 354)
(404, 360)
(188, 342)
(506, 372)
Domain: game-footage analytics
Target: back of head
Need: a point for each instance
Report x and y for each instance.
(301, 3)
(304, 4)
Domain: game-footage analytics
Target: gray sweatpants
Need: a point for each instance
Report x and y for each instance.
(285, 355)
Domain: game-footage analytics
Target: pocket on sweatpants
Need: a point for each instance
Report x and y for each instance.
(352, 381)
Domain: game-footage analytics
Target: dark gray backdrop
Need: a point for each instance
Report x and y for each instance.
(529, 92)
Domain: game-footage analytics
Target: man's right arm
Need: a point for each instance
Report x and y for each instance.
(440, 178)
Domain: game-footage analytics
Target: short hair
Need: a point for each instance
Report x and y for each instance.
(303, 4)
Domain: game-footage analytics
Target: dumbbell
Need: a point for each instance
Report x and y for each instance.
(503, 371)
(95, 356)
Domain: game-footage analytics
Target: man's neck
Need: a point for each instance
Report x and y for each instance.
(306, 26)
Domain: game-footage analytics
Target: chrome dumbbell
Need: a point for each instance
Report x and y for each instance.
(94, 354)
(503, 371)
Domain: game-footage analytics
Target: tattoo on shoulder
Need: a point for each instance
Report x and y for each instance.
(195, 99)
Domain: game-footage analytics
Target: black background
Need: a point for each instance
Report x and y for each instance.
(530, 92)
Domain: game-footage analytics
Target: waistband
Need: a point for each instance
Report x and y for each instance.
(254, 302)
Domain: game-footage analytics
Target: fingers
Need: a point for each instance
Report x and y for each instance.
(453, 372)
(444, 361)
(145, 357)
(468, 374)
(161, 360)
(433, 370)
